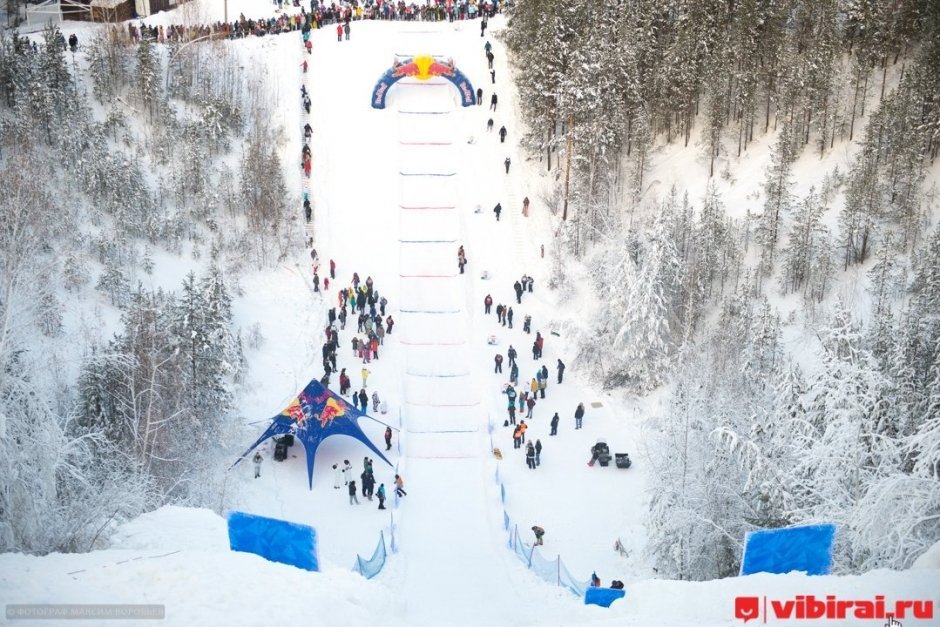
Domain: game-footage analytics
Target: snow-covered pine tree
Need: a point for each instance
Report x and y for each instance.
(777, 198)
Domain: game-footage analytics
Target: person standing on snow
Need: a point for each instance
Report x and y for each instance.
(339, 33)
(543, 381)
(388, 438)
(578, 415)
(514, 374)
(363, 400)
(499, 363)
(479, 96)
(257, 459)
(389, 323)
(530, 456)
(346, 30)
(517, 287)
(487, 303)
(347, 471)
(509, 317)
(538, 452)
(530, 405)
(352, 493)
(525, 205)
(511, 354)
(493, 101)
(507, 163)
(497, 209)
(516, 437)
(400, 486)
(381, 495)
(561, 370)
(511, 407)
(502, 134)
(337, 476)
(365, 375)
(539, 533)
(375, 401)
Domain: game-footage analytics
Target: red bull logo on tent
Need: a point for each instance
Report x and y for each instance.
(314, 414)
(423, 67)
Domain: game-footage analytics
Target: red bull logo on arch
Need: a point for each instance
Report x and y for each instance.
(423, 67)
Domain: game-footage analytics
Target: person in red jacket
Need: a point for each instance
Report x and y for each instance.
(339, 32)
(487, 303)
(332, 269)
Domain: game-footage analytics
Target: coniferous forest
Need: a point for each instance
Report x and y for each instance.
(757, 431)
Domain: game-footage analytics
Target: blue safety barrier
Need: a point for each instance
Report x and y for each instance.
(373, 566)
(602, 596)
(273, 539)
(806, 548)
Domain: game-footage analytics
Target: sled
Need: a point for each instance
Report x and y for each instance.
(622, 460)
(498, 454)
(491, 340)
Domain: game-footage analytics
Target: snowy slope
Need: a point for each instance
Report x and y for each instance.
(452, 566)
(178, 557)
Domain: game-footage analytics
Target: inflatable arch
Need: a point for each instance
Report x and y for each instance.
(423, 67)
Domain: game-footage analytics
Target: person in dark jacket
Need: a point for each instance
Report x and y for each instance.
(352, 493)
(363, 399)
(499, 363)
(538, 452)
(493, 100)
(539, 533)
(511, 354)
(507, 163)
(530, 455)
(388, 438)
(517, 286)
(502, 134)
(381, 495)
(554, 424)
(578, 415)
(479, 96)
(561, 370)
(497, 210)
(487, 303)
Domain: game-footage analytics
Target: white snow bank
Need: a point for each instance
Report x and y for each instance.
(179, 557)
(173, 527)
(930, 559)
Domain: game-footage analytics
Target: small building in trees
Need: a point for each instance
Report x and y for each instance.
(113, 10)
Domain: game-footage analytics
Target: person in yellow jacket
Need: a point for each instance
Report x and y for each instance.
(365, 376)
(534, 387)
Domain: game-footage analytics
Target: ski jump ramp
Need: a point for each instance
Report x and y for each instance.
(445, 445)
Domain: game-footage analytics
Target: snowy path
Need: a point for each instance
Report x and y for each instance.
(447, 540)
(449, 529)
